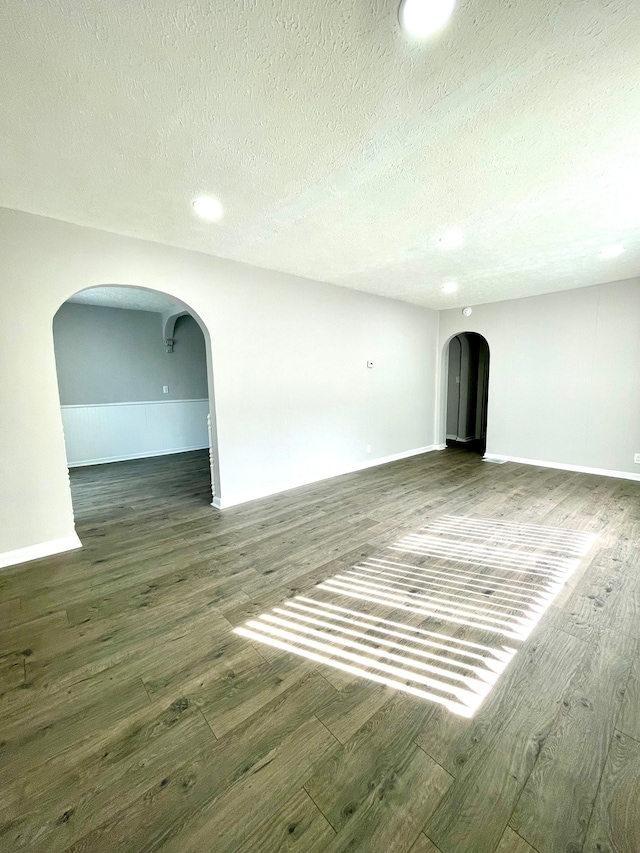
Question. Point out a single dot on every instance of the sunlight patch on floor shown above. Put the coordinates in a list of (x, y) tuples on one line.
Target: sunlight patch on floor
[(443, 620)]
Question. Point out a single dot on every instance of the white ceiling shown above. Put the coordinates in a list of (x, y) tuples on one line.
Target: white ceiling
[(131, 298), (340, 150)]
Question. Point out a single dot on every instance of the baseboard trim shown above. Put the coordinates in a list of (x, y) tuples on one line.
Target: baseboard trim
[(561, 466), (224, 503), (128, 457), (36, 552)]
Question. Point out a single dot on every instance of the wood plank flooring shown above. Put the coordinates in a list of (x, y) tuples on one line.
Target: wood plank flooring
[(134, 719)]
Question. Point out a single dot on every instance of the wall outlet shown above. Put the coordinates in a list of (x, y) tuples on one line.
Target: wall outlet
[(368, 448), (165, 389), (636, 458)]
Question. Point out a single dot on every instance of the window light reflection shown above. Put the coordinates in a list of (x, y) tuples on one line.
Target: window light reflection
[(468, 583)]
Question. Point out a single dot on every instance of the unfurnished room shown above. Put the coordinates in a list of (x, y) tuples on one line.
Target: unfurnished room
[(320, 426)]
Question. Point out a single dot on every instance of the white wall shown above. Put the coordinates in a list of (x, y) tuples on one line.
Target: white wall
[(112, 432), (564, 377), (294, 400)]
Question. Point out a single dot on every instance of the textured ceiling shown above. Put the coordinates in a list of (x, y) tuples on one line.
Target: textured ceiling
[(341, 151), (132, 298)]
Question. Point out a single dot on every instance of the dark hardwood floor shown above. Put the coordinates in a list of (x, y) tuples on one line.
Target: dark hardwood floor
[(133, 718)]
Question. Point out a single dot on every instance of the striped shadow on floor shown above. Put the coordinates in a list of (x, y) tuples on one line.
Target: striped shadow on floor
[(439, 614)]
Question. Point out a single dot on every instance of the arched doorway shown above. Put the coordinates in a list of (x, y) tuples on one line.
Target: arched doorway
[(467, 392), (135, 383)]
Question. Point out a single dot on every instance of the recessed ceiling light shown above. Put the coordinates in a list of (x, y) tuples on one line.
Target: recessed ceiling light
[(451, 239), (421, 18), (611, 251), (450, 286), (208, 208)]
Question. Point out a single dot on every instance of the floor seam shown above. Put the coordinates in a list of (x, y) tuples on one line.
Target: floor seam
[(306, 790), (428, 754), (515, 832), (201, 712), (146, 691), (337, 740), (626, 734)]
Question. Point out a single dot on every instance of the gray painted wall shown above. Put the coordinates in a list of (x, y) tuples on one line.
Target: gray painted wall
[(466, 404), (564, 377), (292, 398), (453, 387), (111, 355), (481, 389)]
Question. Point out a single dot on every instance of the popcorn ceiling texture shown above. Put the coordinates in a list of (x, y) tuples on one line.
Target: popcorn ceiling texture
[(340, 150)]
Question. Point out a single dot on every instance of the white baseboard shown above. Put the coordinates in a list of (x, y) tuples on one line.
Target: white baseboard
[(561, 466), (36, 552), (105, 460), (245, 497)]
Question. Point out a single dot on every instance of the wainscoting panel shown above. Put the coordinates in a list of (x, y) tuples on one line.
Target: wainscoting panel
[(115, 431)]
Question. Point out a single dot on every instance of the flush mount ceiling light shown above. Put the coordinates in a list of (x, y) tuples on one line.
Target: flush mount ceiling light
[(422, 18), (208, 208), (451, 239), (611, 251), (450, 286)]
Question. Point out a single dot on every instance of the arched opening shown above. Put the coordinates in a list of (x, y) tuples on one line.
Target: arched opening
[(136, 391), (467, 392)]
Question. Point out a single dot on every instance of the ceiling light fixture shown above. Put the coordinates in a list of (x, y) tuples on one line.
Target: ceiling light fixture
[(208, 208), (422, 18), (451, 239), (450, 286), (611, 251)]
